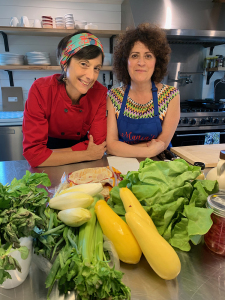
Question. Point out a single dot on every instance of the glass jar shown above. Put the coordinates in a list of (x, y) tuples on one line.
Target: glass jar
[(215, 237)]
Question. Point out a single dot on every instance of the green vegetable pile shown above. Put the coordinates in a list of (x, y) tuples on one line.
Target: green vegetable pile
[(173, 198), (20, 204), (80, 263)]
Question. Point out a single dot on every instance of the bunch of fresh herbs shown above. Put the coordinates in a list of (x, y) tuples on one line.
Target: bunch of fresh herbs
[(21, 204), (172, 197), (79, 261)]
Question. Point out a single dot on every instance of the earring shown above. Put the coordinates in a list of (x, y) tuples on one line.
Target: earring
[(64, 79)]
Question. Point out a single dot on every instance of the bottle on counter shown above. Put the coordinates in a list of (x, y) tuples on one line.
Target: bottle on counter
[(215, 237), (218, 173)]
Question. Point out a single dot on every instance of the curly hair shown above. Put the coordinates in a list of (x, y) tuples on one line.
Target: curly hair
[(154, 38)]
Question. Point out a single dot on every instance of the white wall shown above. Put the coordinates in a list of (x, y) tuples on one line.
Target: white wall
[(106, 16), (208, 90)]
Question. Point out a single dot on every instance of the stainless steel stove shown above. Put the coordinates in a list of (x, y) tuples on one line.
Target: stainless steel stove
[(196, 122), (201, 120)]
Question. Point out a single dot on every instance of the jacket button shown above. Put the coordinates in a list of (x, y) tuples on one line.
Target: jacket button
[(80, 110), (78, 133), (66, 110), (62, 133)]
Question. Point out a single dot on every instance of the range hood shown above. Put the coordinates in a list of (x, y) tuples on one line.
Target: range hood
[(185, 21)]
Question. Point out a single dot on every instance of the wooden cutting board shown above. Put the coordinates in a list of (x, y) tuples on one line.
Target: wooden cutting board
[(208, 154)]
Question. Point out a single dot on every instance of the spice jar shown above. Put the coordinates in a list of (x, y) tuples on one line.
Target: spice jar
[(215, 237)]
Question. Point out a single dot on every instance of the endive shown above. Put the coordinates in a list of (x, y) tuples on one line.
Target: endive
[(91, 189), (71, 200), (74, 217)]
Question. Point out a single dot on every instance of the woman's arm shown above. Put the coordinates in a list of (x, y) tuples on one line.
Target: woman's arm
[(171, 121), (115, 147), (67, 155)]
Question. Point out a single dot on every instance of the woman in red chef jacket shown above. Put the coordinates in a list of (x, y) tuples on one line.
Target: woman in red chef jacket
[(65, 115)]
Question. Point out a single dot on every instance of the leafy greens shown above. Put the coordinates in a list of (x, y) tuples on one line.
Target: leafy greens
[(172, 197), (21, 204)]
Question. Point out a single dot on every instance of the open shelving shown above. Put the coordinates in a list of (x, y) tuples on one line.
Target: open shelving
[(54, 31), (51, 32), (39, 68)]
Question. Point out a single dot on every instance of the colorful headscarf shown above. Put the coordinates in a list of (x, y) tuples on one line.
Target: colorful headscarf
[(76, 43)]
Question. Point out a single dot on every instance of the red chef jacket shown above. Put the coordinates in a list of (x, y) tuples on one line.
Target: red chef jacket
[(49, 113)]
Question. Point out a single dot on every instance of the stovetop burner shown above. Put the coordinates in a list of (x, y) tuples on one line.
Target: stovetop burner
[(187, 110), (185, 107)]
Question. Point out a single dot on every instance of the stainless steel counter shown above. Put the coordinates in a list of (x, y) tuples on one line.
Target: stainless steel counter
[(202, 273)]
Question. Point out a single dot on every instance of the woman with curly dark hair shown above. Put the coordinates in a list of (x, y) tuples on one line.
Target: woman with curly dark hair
[(143, 113)]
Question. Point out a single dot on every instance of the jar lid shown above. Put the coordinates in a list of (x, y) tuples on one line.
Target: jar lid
[(200, 164), (217, 203), (222, 154)]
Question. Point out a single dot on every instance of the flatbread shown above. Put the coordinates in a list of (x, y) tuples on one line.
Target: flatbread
[(101, 174)]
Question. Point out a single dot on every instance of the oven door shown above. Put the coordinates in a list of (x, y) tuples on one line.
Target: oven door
[(198, 137)]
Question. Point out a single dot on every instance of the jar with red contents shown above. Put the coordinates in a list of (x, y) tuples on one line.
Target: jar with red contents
[(215, 237)]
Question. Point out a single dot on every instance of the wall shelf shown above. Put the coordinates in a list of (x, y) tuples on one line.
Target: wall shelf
[(53, 31), (216, 69), (46, 68)]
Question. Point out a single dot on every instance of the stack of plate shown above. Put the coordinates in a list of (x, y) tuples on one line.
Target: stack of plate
[(69, 21), (47, 22), (38, 58), (8, 58), (60, 22)]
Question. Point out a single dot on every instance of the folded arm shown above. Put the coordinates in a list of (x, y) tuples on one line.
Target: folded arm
[(143, 149)]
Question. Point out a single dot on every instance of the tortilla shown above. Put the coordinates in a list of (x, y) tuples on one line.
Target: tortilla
[(101, 174)]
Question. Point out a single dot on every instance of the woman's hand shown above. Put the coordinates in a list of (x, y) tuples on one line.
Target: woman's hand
[(157, 144), (95, 151)]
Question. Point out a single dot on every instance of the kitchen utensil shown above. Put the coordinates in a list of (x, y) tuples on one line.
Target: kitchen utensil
[(8, 58), (24, 22), (14, 22), (208, 154), (166, 155), (37, 23), (219, 89), (80, 24), (107, 59)]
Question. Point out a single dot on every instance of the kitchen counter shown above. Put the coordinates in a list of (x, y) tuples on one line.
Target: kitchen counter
[(202, 272)]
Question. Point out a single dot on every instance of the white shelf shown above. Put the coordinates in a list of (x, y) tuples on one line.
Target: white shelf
[(53, 31), (46, 68)]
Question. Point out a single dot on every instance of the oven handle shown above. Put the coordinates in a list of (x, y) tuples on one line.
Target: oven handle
[(191, 134)]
